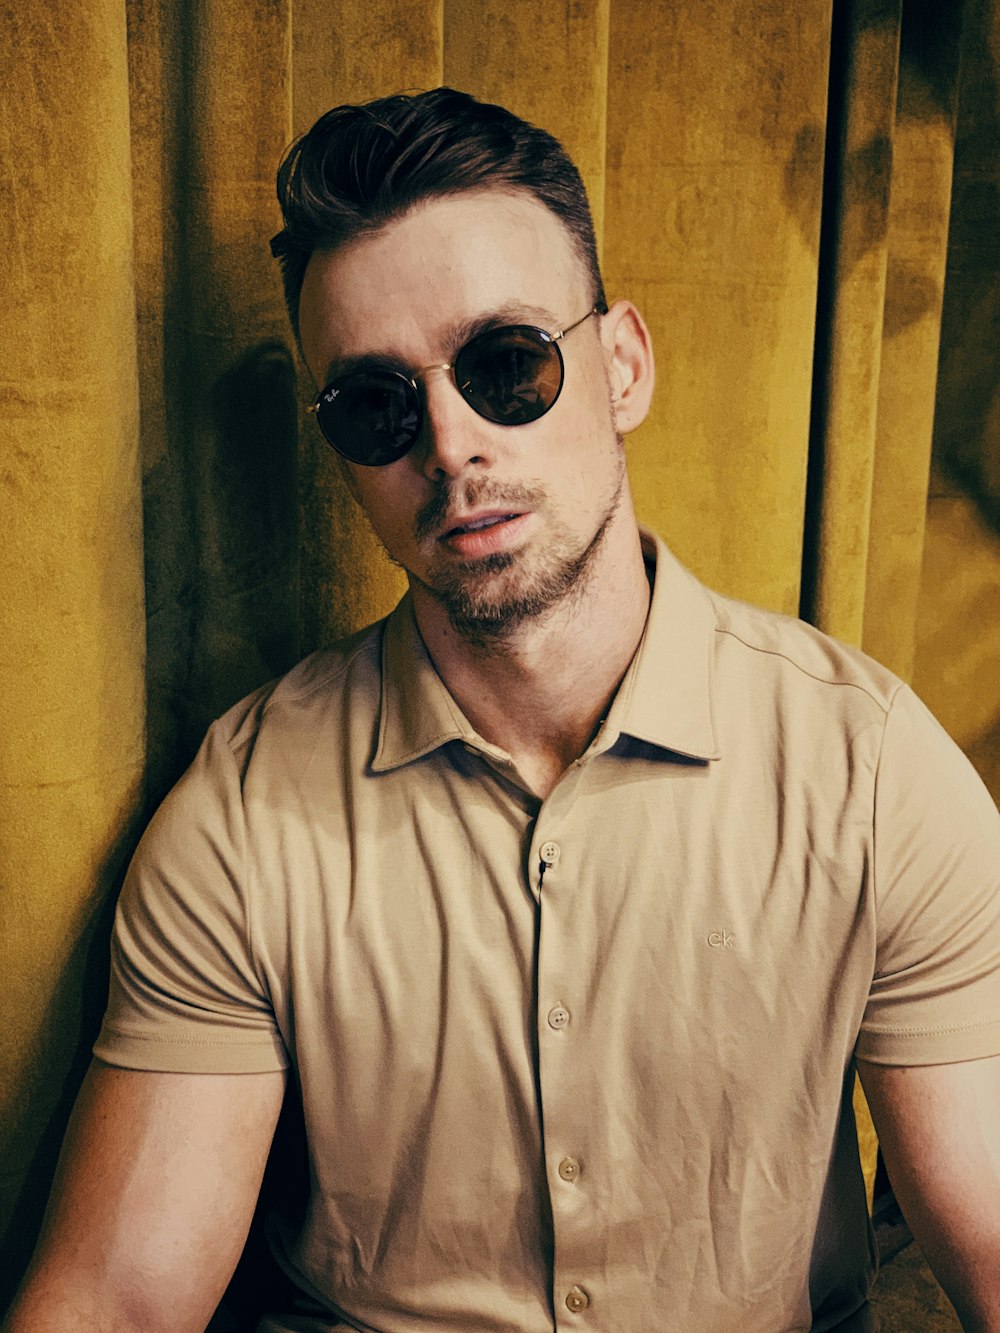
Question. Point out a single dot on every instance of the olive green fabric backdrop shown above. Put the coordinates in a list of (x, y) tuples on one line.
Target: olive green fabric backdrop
[(772, 183)]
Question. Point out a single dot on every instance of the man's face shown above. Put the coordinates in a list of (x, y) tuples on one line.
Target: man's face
[(496, 523)]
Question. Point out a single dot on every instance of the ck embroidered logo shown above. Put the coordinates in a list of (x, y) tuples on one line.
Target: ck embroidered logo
[(721, 939)]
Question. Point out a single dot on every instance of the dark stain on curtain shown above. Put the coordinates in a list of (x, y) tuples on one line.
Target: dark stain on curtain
[(967, 416)]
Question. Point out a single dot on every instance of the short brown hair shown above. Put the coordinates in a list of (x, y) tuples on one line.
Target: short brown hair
[(361, 166)]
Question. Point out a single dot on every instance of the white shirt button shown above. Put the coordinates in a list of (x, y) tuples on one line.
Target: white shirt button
[(569, 1168), (558, 1017), (550, 853), (577, 1300)]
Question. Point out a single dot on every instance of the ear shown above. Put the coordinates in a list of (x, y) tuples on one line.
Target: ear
[(628, 351)]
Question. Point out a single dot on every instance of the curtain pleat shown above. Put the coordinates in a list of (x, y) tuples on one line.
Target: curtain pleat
[(772, 185), (920, 208), (218, 377), (849, 313), (71, 596), (550, 67), (957, 664), (716, 118)]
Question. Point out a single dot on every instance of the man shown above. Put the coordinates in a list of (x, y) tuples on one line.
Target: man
[(568, 895)]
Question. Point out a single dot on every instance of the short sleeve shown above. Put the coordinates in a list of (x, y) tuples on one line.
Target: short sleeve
[(935, 997), (186, 995)]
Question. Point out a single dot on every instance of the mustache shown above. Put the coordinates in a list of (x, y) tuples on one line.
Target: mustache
[(439, 513)]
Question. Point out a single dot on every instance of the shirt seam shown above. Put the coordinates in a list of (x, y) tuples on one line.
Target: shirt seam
[(249, 881), (952, 1028), (882, 705), (875, 805), (328, 679)]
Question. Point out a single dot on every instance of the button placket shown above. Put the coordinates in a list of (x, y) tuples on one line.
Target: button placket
[(568, 1196)]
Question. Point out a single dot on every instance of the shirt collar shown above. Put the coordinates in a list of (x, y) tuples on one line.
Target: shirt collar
[(665, 698), (417, 714)]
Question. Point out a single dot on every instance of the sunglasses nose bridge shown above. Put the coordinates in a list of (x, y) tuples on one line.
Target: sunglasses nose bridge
[(420, 375), (419, 378), (449, 439), (449, 370)]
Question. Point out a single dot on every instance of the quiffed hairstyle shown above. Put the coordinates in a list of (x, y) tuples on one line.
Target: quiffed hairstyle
[(360, 167)]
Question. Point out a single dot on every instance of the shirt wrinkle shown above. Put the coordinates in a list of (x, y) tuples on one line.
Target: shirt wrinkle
[(619, 1104)]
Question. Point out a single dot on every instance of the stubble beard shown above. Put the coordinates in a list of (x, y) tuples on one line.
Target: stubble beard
[(489, 599)]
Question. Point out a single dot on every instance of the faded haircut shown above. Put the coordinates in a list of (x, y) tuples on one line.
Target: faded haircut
[(362, 166)]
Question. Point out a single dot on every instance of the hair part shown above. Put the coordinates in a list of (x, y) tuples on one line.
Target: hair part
[(362, 166)]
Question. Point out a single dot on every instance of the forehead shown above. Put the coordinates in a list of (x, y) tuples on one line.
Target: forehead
[(447, 262)]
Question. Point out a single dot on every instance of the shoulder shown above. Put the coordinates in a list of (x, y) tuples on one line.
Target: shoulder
[(319, 693), (800, 660)]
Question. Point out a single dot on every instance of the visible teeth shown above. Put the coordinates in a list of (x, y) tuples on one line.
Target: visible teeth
[(480, 523)]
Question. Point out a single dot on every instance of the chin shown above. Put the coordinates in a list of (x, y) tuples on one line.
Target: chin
[(493, 597)]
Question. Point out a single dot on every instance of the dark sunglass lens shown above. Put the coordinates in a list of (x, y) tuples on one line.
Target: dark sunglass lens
[(370, 418), (510, 376)]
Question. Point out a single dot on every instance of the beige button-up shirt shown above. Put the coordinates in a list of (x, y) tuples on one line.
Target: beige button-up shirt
[(583, 1063)]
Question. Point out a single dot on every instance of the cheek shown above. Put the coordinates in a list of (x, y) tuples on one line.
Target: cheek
[(388, 506)]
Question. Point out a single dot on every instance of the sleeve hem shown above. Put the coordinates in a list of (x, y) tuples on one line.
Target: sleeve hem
[(929, 1046), (193, 1056)]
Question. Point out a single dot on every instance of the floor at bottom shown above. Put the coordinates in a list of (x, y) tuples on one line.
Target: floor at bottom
[(909, 1300)]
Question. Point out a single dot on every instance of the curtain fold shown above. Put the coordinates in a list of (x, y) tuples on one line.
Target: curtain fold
[(918, 234), (849, 313), (716, 121), (772, 185), (71, 596), (211, 84), (956, 671), (551, 67)]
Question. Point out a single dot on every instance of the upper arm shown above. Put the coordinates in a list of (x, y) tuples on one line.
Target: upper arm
[(935, 886), (153, 1198), (939, 1127)]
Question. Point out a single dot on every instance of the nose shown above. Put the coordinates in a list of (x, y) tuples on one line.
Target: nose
[(454, 438)]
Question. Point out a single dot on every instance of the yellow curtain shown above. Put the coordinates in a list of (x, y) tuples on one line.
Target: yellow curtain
[(72, 635), (957, 659), (772, 185)]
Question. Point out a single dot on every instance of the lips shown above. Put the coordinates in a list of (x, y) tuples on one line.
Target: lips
[(488, 533), (480, 522)]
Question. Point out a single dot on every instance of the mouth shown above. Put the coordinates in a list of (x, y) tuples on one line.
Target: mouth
[(480, 523), (485, 534)]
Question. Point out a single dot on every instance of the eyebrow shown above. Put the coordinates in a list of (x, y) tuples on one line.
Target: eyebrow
[(455, 337), (512, 312)]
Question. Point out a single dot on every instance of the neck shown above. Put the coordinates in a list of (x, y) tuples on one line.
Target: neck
[(541, 691)]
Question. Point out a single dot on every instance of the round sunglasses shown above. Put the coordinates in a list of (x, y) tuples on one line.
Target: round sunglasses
[(510, 375)]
